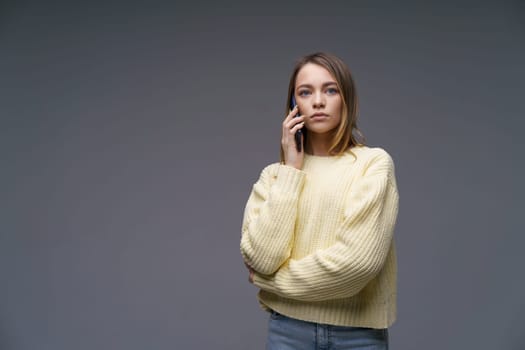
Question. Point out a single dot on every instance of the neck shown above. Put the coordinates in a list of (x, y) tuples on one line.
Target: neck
[(318, 144)]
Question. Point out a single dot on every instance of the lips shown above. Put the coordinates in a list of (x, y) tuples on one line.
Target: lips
[(319, 116)]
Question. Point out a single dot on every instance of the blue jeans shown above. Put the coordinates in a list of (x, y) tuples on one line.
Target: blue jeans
[(285, 333)]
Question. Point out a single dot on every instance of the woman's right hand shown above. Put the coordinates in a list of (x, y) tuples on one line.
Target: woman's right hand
[(290, 126)]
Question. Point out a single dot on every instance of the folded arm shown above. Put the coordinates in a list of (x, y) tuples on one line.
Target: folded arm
[(362, 244)]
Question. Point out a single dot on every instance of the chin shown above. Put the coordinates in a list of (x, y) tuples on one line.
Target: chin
[(321, 130)]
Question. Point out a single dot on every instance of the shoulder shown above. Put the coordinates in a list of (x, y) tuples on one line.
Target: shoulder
[(374, 159), (366, 152), (270, 169), (269, 172)]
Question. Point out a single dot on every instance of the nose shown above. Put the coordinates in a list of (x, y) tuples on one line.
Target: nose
[(318, 100)]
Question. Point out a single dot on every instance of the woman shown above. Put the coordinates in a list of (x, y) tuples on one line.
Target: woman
[(317, 234)]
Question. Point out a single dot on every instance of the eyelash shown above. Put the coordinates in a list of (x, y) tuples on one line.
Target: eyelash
[(303, 92), (330, 91)]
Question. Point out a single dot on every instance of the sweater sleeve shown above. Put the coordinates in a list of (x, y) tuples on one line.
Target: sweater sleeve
[(362, 244), (269, 218)]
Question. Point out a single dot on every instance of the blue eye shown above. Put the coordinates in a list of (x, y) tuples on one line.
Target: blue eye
[(304, 92), (332, 91)]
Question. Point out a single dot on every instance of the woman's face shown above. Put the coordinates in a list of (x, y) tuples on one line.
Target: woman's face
[(318, 98)]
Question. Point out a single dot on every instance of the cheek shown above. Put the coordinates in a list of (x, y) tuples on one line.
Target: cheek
[(339, 113), (338, 106), (302, 107)]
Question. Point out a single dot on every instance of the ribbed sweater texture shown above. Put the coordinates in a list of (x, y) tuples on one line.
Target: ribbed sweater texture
[(320, 239)]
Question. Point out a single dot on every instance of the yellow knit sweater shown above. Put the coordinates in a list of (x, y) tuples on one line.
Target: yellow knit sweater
[(321, 239)]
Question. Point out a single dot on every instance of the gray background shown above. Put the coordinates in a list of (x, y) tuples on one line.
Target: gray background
[(131, 136)]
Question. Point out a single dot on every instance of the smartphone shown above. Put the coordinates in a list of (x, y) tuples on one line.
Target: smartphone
[(299, 133)]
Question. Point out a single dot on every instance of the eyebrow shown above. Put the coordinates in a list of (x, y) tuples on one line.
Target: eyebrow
[(324, 84)]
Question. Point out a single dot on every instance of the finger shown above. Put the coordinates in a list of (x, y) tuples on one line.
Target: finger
[(292, 114), (296, 127), (292, 122)]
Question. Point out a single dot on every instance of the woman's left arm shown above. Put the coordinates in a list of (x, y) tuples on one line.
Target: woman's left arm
[(362, 245)]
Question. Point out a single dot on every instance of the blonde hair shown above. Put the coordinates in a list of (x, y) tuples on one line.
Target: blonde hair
[(347, 130)]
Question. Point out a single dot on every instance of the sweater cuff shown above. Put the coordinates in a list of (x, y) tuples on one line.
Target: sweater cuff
[(289, 179)]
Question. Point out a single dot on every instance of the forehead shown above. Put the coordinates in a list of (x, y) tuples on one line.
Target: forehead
[(313, 74)]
